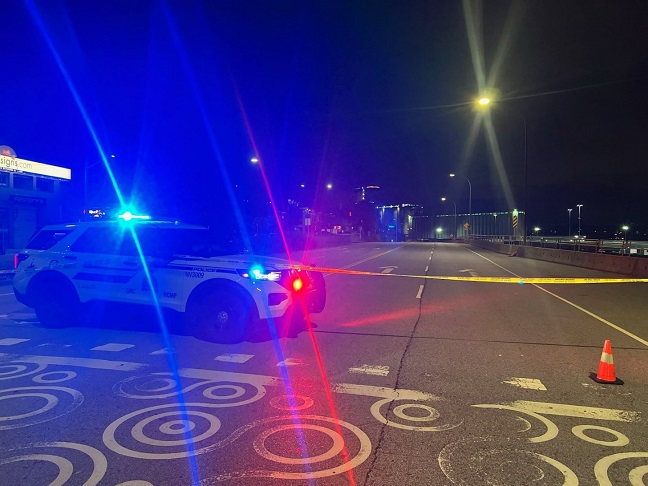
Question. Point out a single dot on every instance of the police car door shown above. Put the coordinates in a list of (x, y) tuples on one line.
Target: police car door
[(161, 276), (107, 263)]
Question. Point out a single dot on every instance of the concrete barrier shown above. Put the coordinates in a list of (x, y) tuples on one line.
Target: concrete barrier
[(625, 265)]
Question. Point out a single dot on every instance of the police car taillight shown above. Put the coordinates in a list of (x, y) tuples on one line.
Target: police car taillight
[(19, 257), (297, 284)]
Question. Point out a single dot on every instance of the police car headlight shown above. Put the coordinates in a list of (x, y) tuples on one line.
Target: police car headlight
[(258, 273)]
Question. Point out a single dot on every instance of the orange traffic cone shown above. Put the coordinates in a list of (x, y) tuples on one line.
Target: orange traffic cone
[(606, 367)]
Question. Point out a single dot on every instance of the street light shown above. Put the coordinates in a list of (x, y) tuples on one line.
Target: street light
[(483, 102), (254, 160), (579, 218), (469, 203), (454, 232), (570, 210)]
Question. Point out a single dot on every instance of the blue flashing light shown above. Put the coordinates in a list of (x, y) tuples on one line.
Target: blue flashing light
[(259, 273), (128, 216)]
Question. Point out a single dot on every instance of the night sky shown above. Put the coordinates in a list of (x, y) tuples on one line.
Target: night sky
[(352, 93)]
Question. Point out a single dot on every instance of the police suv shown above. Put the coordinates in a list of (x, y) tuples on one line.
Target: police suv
[(168, 264)]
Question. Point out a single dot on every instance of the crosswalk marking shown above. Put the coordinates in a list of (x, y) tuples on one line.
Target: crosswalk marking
[(233, 358), (11, 341), (113, 347), (371, 370)]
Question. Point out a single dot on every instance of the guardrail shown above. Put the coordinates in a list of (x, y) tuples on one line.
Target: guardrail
[(590, 245)]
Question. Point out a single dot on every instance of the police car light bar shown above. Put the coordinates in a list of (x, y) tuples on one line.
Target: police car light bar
[(128, 216)]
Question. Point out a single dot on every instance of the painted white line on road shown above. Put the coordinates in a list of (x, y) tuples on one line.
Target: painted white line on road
[(430, 259), (290, 362), (365, 260), (381, 392), (216, 375), (113, 347), (576, 306), (162, 351), (9, 293), (388, 269), (426, 269), (101, 364), (371, 370), (11, 341), (528, 383), (420, 292), (576, 411), (233, 358)]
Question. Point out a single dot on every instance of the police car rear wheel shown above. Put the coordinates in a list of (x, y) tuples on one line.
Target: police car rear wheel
[(220, 316)]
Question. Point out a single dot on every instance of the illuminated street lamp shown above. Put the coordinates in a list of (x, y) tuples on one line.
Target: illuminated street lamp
[(569, 232), (536, 230), (254, 160), (329, 186), (579, 206), (469, 202), (625, 229), (454, 232), (483, 102)]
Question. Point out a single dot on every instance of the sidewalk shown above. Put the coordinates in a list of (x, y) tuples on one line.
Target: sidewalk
[(6, 268)]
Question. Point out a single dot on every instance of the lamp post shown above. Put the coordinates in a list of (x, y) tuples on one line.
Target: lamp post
[(625, 229), (569, 232), (454, 231), (469, 203), (483, 102), (579, 206)]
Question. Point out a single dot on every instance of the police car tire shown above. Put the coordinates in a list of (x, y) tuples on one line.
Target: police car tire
[(56, 302), (219, 315)]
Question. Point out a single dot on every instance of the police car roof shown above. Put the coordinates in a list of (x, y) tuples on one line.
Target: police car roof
[(119, 223)]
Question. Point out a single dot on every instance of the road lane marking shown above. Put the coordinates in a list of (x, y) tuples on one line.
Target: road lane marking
[(381, 392), (290, 362), (388, 269), (101, 364), (371, 370), (233, 358), (162, 351), (528, 383), (9, 293), (576, 306), (11, 341), (599, 318), (426, 269), (420, 292), (576, 411), (364, 260), (113, 347)]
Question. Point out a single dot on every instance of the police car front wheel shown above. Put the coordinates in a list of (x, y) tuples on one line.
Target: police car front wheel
[(56, 303), (219, 316)]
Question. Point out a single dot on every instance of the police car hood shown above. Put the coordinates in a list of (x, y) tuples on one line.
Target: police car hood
[(242, 261)]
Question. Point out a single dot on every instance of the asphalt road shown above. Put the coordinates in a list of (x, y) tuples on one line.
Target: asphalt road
[(400, 380)]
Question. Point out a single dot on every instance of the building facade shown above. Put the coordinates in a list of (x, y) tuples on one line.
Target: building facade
[(30, 197)]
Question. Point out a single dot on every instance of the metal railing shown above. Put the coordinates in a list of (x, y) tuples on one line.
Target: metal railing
[(614, 247)]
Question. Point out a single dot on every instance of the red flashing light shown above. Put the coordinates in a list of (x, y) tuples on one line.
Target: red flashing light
[(297, 284), (19, 257)]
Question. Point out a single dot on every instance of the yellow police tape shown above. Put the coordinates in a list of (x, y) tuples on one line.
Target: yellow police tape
[(516, 280)]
